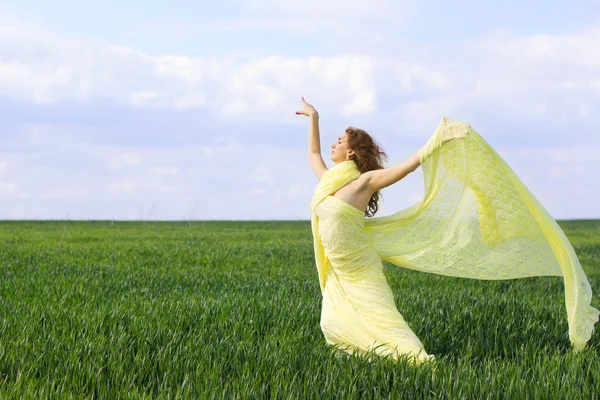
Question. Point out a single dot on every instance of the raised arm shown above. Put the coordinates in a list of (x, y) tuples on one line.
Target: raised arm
[(314, 141), (381, 178)]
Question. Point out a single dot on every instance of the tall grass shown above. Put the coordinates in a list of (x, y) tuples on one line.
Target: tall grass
[(231, 310)]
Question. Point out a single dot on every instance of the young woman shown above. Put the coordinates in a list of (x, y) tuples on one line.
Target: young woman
[(477, 220), (358, 309)]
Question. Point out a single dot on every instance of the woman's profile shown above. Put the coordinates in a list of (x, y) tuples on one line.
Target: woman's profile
[(477, 220)]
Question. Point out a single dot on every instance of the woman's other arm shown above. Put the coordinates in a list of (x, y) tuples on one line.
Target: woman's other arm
[(381, 178)]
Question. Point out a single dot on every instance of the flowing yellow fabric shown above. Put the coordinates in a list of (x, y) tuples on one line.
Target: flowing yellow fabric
[(358, 309), (477, 220)]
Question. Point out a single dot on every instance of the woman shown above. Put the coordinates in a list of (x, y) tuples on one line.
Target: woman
[(477, 220), (358, 310)]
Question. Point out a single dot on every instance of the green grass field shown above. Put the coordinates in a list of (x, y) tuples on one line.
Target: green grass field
[(231, 310)]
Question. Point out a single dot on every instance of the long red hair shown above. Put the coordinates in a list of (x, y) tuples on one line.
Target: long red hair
[(368, 156)]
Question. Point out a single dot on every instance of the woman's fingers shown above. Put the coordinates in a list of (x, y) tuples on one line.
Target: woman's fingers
[(306, 105)]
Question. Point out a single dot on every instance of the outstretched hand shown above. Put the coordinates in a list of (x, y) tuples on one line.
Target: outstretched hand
[(308, 110), (454, 130)]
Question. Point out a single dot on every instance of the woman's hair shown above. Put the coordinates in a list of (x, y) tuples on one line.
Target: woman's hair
[(368, 156)]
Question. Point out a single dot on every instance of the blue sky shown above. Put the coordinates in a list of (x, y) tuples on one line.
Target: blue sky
[(185, 109)]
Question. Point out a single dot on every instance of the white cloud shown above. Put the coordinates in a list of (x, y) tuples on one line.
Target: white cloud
[(332, 20), (62, 194), (121, 186), (346, 18), (121, 160), (546, 86), (190, 100), (525, 79), (171, 188), (228, 149), (257, 88), (165, 170), (12, 190), (261, 174), (540, 76), (139, 183), (143, 97)]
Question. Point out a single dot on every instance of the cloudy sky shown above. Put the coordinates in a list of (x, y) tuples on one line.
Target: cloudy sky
[(185, 109)]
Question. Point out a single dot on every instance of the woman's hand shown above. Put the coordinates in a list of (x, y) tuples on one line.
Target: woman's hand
[(308, 110)]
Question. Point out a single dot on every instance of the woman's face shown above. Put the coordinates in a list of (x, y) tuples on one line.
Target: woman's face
[(340, 150)]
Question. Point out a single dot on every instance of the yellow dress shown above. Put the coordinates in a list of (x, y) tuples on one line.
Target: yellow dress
[(358, 309), (477, 220)]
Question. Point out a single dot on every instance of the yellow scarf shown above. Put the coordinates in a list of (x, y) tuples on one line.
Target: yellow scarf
[(333, 180), (477, 220)]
